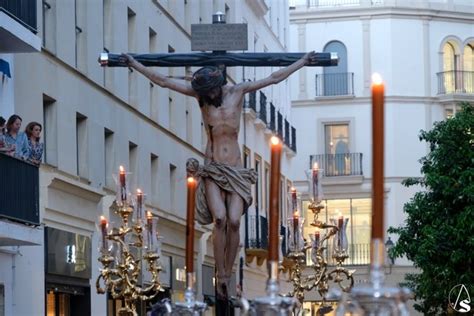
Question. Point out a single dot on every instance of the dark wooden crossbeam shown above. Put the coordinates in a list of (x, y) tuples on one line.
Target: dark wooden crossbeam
[(214, 59)]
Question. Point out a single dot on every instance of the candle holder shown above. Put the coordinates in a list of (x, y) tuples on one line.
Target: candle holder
[(321, 276), (122, 267), (376, 298), (273, 304), (190, 306), (296, 242)]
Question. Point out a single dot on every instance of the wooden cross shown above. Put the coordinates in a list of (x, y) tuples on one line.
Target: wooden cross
[(219, 38)]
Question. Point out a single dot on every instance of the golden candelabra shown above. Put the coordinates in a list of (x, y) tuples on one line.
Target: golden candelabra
[(321, 275), (122, 270)]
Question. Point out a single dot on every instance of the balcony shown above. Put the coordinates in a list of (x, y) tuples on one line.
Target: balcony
[(335, 165), (19, 196), (455, 82), (338, 84), (19, 203), (293, 139), (256, 239), (18, 26), (262, 111)]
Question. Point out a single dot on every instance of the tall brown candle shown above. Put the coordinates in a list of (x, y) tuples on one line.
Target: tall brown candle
[(192, 184), (123, 188), (273, 234), (377, 157), (103, 232)]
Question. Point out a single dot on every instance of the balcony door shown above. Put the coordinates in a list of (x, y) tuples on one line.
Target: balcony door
[(337, 158), (335, 80)]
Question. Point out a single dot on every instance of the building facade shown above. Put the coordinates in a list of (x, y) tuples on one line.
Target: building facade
[(95, 119), (424, 52)]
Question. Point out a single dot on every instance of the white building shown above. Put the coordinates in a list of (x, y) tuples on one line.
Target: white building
[(424, 51), (96, 119)]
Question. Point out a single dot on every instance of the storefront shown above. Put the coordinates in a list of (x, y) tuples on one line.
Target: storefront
[(68, 273)]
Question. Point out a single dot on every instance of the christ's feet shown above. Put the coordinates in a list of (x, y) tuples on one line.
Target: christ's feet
[(222, 287)]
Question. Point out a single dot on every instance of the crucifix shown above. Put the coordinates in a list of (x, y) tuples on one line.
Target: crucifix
[(224, 190)]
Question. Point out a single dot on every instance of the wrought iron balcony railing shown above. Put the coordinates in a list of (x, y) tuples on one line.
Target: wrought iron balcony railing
[(272, 117), (24, 11), (19, 193), (359, 254), (251, 101), (280, 125), (293, 138), (287, 133), (349, 164), (455, 82), (258, 232), (335, 84), (262, 111)]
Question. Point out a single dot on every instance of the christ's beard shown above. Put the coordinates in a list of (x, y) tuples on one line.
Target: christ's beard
[(217, 101)]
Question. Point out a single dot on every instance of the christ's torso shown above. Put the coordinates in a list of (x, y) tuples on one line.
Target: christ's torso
[(222, 125)]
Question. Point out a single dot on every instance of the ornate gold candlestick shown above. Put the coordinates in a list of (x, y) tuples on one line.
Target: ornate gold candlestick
[(122, 270), (321, 275)]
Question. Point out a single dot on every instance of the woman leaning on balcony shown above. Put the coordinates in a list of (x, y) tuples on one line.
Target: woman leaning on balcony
[(14, 137), (3, 146), (33, 132)]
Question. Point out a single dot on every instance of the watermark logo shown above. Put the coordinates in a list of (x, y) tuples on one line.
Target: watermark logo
[(459, 299)]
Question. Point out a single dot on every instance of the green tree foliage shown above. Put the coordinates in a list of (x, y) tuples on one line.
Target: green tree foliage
[(438, 234)]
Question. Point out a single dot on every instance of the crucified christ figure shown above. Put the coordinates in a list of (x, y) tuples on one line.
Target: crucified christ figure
[(225, 192)]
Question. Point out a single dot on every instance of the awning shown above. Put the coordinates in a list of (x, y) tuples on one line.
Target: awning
[(5, 68)]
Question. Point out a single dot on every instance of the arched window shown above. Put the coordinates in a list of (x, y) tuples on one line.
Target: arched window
[(336, 80), (468, 67), (449, 68)]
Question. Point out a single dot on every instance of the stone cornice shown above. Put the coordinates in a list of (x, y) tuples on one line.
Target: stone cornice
[(325, 101), (378, 12)]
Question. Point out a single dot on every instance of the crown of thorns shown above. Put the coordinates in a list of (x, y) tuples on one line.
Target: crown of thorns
[(206, 79)]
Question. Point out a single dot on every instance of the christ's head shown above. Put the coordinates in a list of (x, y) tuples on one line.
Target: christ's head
[(208, 82)]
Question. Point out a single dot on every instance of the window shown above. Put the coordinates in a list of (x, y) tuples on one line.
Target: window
[(258, 191), (468, 67), (80, 24), (359, 213), (335, 79), (81, 146), (132, 77), (49, 25), (267, 188), (246, 157), (133, 167), (203, 137), (172, 187), (171, 97), (50, 131), (154, 178), (449, 68), (2, 300), (109, 158), (336, 160), (153, 93)]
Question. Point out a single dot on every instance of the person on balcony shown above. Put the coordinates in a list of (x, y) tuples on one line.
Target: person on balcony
[(33, 132), (15, 138), (3, 146)]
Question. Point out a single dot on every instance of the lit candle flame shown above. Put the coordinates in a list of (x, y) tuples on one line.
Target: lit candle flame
[(149, 215), (122, 169), (293, 189), (376, 79), (103, 220), (191, 180), (315, 166), (296, 214), (139, 191), (275, 140)]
